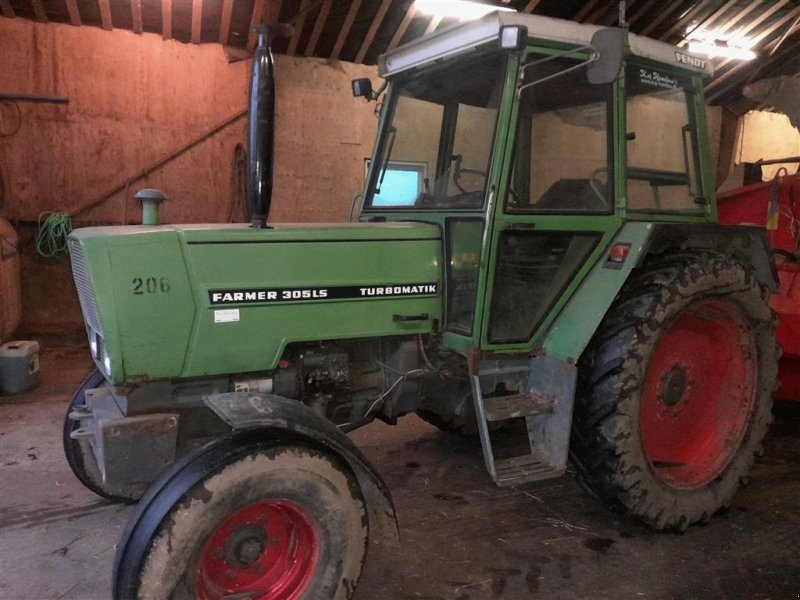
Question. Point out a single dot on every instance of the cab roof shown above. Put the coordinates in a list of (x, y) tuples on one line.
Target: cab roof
[(467, 37)]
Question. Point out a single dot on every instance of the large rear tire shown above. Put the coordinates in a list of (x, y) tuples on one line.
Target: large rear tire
[(79, 453), (246, 518), (675, 392)]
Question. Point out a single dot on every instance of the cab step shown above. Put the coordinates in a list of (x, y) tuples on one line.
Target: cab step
[(546, 405), (502, 408), (521, 469)]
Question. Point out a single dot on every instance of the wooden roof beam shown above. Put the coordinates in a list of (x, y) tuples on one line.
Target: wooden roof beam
[(136, 15), (584, 12), (435, 21), (7, 9), (763, 17), (255, 21), (38, 11), (531, 6), (345, 31), (411, 12), (377, 21), (225, 21), (662, 14), (322, 18), (298, 22), (740, 15), (707, 22), (105, 14), (717, 81), (197, 20), (74, 13), (639, 12), (683, 20), (766, 62), (166, 19), (258, 17)]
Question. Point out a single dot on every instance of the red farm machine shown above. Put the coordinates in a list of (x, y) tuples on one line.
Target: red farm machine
[(775, 205)]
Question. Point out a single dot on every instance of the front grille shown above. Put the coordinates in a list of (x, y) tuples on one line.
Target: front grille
[(84, 286), (101, 350)]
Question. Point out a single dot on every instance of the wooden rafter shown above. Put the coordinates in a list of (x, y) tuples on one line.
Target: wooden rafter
[(255, 21), (38, 11), (225, 21), (105, 14), (531, 6), (274, 13), (663, 13), (728, 25), (298, 23), (768, 31), (763, 17), (584, 12), (377, 21), (74, 13), (136, 15), (789, 31), (345, 31), (411, 12), (707, 22), (755, 69), (7, 9), (435, 21), (166, 19), (197, 20), (680, 24), (640, 11), (322, 17)]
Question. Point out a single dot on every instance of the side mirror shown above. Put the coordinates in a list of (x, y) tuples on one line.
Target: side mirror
[(609, 44), (362, 88)]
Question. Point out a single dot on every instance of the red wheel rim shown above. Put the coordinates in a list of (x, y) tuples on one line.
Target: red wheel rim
[(266, 550), (698, 394)]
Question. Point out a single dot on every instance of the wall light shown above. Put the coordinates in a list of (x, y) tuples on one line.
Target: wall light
[(713, 50), (719, 43), (458, 9)]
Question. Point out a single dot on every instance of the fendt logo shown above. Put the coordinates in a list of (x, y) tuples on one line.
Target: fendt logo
[(688, 59)]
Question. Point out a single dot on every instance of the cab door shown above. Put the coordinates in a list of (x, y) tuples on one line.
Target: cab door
[(557, 207)]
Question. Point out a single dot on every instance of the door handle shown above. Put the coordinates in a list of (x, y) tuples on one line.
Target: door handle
[(406, 318)]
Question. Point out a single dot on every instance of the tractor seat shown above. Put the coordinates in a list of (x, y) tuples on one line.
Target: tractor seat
[(571, 195)]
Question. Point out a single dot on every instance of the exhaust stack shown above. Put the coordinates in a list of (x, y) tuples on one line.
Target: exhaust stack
[(261, 132)]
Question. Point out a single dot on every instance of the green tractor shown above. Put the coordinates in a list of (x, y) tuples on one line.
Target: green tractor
[(537, 254)]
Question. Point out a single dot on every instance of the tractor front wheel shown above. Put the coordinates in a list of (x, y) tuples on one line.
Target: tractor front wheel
[(245, 519), (676, 390)]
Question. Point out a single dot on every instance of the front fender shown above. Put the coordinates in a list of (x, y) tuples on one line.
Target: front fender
[(278, 417)]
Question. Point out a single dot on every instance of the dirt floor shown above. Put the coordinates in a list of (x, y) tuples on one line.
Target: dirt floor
[(463, 538)]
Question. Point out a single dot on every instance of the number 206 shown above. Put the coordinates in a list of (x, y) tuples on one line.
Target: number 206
[(150, 285)]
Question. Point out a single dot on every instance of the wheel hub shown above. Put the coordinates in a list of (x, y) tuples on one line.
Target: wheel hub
[(673, 386), (266, 550), (245, 546)]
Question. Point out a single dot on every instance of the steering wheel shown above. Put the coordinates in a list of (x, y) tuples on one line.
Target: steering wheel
[(458, 171)]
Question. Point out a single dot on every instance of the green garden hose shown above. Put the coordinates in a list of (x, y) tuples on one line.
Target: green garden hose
[(51, 239)]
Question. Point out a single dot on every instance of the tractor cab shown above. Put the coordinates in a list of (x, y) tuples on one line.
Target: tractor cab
[(530, 142)]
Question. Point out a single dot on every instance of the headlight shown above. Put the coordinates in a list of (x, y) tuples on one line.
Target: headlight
[(93, 343), (107, 364)]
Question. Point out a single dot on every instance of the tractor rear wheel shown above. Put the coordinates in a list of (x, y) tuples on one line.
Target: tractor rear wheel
[(79, 453), (675, 392), (246, 518)]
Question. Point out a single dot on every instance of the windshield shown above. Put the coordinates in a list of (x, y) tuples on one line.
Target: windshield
[(436, 150)]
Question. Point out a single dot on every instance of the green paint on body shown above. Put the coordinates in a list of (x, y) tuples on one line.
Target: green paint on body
[(153, 287)]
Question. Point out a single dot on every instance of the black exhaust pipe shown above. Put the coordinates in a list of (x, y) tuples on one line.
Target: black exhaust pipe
[(261, 132)]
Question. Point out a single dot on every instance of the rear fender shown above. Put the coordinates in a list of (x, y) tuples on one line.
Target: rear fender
[(276, 417)]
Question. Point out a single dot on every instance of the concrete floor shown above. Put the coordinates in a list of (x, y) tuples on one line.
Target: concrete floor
[(462, 537)]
